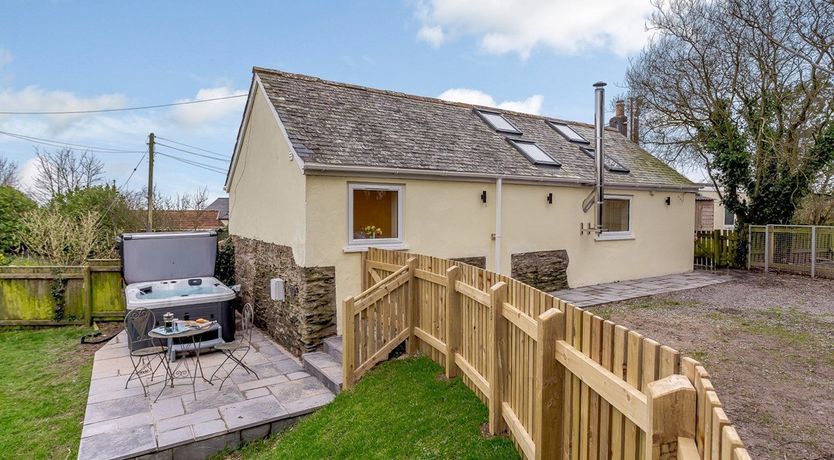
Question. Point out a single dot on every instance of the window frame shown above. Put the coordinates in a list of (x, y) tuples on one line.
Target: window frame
[(618, 169), (732, 224), (619, 235), (482, 115), (362, 243), (554, 125), (516, 143)]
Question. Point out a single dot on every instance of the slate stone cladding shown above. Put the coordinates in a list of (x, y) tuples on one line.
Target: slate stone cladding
[(478, 261), (308, 315), (544, 270)]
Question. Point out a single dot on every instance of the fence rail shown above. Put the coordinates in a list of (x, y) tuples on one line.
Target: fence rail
[(716, 249), (564, 383), (29, 295), (803, 249)]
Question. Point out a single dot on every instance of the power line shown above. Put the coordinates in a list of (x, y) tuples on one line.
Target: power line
[(194, 163), (193, 153), (55, 143), (119, 190), (125, 109), (192, 146)]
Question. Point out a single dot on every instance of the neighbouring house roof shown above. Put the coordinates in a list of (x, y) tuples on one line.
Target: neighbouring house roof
[(169, 220), (699, 197), (221, 205), (342, 126)]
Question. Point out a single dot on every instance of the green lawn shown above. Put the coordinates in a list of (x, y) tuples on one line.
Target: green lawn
[(44, 377), (399, 410)]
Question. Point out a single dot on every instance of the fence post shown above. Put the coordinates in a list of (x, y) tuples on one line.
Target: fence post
[(767, 248), (716, 249), (88, 295), (671, 402), (549, 385), (413, 305), (749, 244), (348, 340), (363, 264), (497, 295), (813, 251), (453, 324)]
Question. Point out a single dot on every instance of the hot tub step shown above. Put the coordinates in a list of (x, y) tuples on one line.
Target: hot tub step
[(325, 368)]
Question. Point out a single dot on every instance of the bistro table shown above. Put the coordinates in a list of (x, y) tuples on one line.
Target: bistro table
[(184, 332)]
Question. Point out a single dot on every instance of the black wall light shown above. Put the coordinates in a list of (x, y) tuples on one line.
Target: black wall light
[(550, 198), (483, 196), (668, 200)]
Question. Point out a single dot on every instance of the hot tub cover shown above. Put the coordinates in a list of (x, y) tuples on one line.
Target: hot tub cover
[(167, 255)]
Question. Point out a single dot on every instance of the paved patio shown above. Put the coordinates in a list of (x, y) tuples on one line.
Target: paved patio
[(598, 294), (123, 423)]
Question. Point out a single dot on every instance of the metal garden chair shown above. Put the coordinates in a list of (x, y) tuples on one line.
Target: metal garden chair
[(236, 350), (143, 349)]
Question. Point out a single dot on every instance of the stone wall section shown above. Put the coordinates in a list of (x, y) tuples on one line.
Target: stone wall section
[(477, 261), (307, 315), (544, 270)]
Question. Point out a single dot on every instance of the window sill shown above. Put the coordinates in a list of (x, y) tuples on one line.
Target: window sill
[(364, 247), (615, 236)]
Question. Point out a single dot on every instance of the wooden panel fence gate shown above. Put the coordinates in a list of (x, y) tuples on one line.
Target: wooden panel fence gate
[(562, 382)]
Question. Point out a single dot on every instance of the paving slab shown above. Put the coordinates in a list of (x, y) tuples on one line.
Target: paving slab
[(598, 294), (124, 423)]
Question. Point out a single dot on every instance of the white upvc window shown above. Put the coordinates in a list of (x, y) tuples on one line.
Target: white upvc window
[(616, 218), (729, 218), (375, 215)]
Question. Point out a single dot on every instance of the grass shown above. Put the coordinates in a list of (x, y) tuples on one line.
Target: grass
[(400, 410), (44, 378)]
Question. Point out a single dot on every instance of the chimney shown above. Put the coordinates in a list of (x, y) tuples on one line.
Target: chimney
[(619, 120), (599, 155)]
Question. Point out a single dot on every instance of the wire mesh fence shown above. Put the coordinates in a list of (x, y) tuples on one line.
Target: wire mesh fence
[(803, 249)]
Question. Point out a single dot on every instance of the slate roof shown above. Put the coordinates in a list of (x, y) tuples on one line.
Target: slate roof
[(339, 124), (221, 205)]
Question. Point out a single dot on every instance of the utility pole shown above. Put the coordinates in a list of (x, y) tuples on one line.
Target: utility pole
[(150, 181)]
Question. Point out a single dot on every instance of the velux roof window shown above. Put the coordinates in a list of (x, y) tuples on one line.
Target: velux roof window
[(497, 122), (567, 132), (609, 163), (534, 153)]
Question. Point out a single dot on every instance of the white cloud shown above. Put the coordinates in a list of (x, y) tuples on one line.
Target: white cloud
[(194, 115), (532, 104), (432, 35), (565, 26), (6, 57)]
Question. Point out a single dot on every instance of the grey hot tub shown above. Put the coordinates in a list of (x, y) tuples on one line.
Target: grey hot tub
[(173, 272)]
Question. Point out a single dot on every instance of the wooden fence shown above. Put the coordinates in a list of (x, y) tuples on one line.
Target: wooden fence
[(716, 249), (561, 381), (89, 292)]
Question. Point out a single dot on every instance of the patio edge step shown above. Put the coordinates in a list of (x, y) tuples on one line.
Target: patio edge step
[(325, 368), (333, 347)]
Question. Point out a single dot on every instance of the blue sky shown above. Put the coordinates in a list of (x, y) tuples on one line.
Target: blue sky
[(533, 55)]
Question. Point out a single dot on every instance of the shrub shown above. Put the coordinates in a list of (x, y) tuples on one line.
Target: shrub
[(64, 239), (13, 204)]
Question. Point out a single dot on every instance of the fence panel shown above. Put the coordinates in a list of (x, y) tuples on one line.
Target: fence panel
[(716, 249), (564, 383), (801, 249), (47, 295)]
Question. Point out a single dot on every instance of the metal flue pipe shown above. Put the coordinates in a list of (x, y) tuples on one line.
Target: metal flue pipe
[(599, 128)]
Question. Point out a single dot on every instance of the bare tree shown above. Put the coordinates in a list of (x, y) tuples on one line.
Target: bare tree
[(744, 89), (8, 173), (63, 170)]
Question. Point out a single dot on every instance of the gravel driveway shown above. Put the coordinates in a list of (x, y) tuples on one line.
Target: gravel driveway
[(767, 340)]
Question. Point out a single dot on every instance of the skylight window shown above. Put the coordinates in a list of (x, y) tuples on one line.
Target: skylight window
[(534, 153), (567, 132), (610, 163), (497, 122)]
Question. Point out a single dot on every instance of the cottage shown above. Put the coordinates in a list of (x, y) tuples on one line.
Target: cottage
[(710, 212), (323, 170)]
